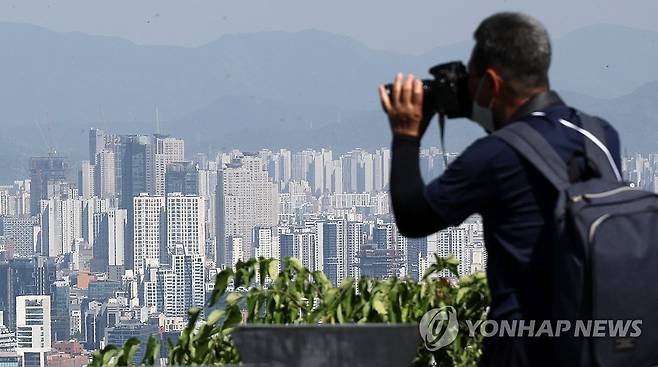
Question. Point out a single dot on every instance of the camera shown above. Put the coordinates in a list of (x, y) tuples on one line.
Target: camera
[(447, 94)]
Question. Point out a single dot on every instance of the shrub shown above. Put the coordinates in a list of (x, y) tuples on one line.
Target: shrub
[(299, 296)]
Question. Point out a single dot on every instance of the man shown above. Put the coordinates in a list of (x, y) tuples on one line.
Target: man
[(508, 73)]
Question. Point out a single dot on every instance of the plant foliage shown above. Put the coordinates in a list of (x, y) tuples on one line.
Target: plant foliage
[(256, 292)]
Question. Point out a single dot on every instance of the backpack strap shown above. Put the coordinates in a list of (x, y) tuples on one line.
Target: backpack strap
[(534, 148), (595, 148), (598, 154)]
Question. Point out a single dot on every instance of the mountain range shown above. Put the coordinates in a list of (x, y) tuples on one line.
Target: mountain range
[(274, 89)]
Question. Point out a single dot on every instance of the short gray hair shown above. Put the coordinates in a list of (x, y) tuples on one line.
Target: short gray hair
[(516, 45)]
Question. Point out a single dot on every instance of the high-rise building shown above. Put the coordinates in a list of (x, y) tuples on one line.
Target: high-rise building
[(301, 165), (8, 356), (164, 151), (45, 174), (183, 282), (124, 330), (365, 172), (337, 185), (246, 198), (182, 177), (417, 248), (86, 183), (302, 243), (186, 223), (60, 313), (386, 166), (317, 173), (349, 166), (61, 225), (15, 199), (45, 274), (153, 289), (134, 157), (97, 142), (91, 207), (266, 242), (332, 234), (378, 262), (287, 244), (19, 231), (149, 230), (378, 171), (33, 329), (355, 239), (460, 242), (207, 190), (286, 166), (105, 174), (109, 242), (17, 278)]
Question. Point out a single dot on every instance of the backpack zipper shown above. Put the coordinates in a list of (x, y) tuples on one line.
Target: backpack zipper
[(598, 195), (595, 225)]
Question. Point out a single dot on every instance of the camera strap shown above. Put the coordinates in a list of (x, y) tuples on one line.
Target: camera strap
[(442, 128)]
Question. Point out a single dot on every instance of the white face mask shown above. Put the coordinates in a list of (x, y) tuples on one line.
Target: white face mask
[(483, 116)]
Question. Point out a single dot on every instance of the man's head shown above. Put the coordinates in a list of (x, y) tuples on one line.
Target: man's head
[(509, 63)]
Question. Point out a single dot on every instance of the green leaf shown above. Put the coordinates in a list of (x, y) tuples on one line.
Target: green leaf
[(233, 298), (379, 305), (107, 354), (294, 263), (152, 353), (273, 269), (221, 282), (339, 314), (233, 317), (291, 299), (215, 316), (130, 348)]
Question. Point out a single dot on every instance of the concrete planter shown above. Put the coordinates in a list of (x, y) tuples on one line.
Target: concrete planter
[(327, 345)]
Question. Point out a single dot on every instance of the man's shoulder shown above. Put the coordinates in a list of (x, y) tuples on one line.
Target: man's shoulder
[(490, 151)]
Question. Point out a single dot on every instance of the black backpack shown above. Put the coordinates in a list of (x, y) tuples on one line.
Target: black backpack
[(605, 253)]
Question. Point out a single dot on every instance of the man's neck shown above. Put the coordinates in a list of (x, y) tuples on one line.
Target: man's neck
[(534, 103)]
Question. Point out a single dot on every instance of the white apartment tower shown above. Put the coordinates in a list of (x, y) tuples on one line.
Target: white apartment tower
[(149, 222), (246, 198), (266, 243), (105, 174), (183, 283), (61, 225), (164, 150), (86, 179), (354, 242), (186, 219), (116, 227), (33, 328)]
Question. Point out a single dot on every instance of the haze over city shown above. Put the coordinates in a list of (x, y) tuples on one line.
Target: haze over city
[(146, 147)]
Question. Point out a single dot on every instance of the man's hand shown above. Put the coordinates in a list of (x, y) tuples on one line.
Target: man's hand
[(405, 106)]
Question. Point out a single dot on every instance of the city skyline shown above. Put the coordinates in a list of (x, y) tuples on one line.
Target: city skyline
[(171, 172)]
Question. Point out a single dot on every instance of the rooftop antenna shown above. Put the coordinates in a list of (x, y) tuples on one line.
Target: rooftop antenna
[(51, 146), (43, 136), (157, 120), (102, 116)]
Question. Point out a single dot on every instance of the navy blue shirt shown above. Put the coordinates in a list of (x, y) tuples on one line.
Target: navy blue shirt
[(490, 178)]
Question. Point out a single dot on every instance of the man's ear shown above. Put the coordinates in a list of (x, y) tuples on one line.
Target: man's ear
[(496, 81), (498, 97)]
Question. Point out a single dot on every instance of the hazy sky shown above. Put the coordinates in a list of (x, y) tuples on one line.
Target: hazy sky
[(412, 26)]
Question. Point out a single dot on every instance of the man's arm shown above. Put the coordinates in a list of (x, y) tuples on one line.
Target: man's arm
[(463, 188), (467, 186), (413, 214)]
